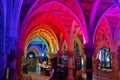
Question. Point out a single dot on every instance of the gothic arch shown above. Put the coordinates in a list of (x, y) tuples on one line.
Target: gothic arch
[(30, 14)]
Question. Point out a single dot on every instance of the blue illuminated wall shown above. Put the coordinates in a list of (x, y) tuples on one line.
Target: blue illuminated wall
[(40, 44)]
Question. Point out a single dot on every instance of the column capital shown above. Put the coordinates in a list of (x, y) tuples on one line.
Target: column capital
[(70, 53), (89, 49), (60, 53)]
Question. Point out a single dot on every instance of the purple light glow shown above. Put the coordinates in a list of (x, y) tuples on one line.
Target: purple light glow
[(99, 22)]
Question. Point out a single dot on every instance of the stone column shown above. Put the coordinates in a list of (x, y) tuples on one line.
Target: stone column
[(3, 56), (114, 66), (59, 55), (3, 64), (70, 65), (10, 48), (89, 69), (12, 74), (12, 65), (19, 63)]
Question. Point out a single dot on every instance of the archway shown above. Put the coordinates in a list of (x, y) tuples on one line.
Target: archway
[(36, 53), (103, 41), (56, 22), (106, 41), (79, 52), (44, 41), (79, 58)]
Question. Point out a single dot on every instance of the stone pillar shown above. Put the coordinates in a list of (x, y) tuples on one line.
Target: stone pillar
[(89, 69), (114, 66), (10, 48), (12, 73), (70, 65), (59, 55), (3, 64), (54, 65), (19, 63), (12, 65), (3, 56)]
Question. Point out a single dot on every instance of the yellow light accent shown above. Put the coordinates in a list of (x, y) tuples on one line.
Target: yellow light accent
[(46, 33)]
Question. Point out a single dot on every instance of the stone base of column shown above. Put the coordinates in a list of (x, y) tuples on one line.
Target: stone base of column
[(3, 65), (89, 74), (70, 78)]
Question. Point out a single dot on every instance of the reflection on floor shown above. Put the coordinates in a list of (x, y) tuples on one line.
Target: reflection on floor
[(99, 78), (36, 76)]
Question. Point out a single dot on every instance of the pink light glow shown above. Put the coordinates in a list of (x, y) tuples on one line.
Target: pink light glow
[(99, 22), (40, 9), (38, 21)]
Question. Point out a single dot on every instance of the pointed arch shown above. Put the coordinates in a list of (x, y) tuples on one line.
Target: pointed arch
[(31, 13), (100, 21)]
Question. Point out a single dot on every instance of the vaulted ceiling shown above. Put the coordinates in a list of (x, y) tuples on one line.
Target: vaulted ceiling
[(88, 5), (59, 15)]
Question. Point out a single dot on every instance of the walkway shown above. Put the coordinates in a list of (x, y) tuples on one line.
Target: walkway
[(35, 76)]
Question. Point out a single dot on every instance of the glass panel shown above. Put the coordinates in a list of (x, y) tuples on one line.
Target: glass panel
[(102, 58), (105, 58)]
